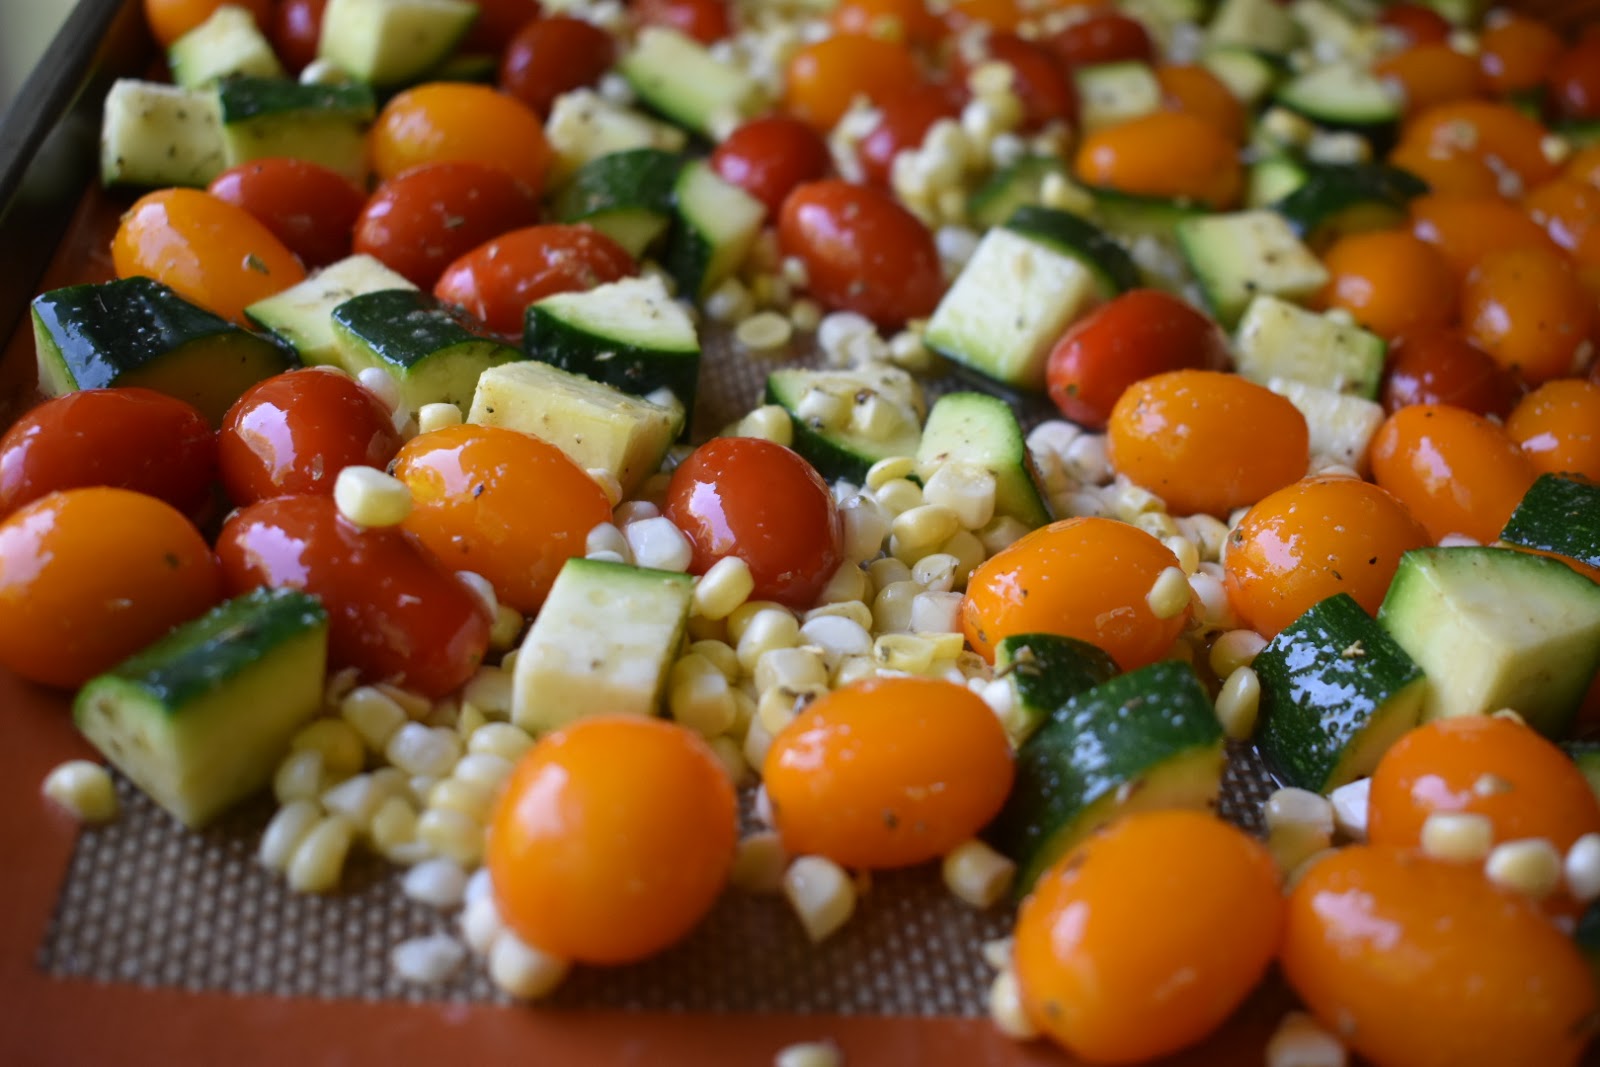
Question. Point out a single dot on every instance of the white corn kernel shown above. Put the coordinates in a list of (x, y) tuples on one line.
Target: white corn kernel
[(769, 422), (634, 511), (936, 613), (659, 544), (1187, 551), (437, 883), (423, 750), (431, 417), (367, 496), (999, 952), (903, 652), (1298, 807), (1531, 866), (729, 751), (299, 777), (501, 739), (452, 835), (1582, 868), (723, 588), (809, 1054), (898, 495), (1235, 649), (481, 588), (427, 960), (887, 571), (607, 482), (1006, 1010), (837, 637), (769, 629), (84, 789), (318, 861), (606, 537), (759, 862), (483, 769), (977, 874), (373, 714), (1160, 525), (821, 893), (607, 556), (806, 315), (757, 742), (1300, 1041), (796, 668), (765, 331), (847, 584), (489, 690), (480, 922), (1350, 808), (1212, 609), (919, 530), (721, 655), (936, 572), (458, 795), (381, 384), (356, 798), (967, 490), (1088, 459), (853, 669), (522, 971), (1169, 593), (1239, 703), (865, 527), (890, 469), (1459, 837), (776, 709), (506, 628), (285, 831), (1001, 532), (742, 616), (891, 608), (343, 754), (394, 824), (417, 706), (699, 696)]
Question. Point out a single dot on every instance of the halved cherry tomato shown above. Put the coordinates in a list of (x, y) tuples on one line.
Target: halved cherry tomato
[(1431, 74), (90, 576), (1574, 82), (554, 55), (296, 30), (170, 19), (293, 433), (894, 20), (1165, 153), (497, 22), (1527, 308), (308, 207), (209, 251), (1390, 281), (863, 252), (1084, 578), (499, 279), (1416, 23), (500, 503), (613, 838), (707, 21), (452, 122), (769, 157), (420, 222), (889, 772), (1311, 540), (127, 438), (1558, 427), (748, 497), (1146, 937), (1193, 437), (905, 119), (1102, 37), (1137, 335), (1434, 365), (1486, 978), (1516, 52), (1457, 472), (394, 612), (825, 77)]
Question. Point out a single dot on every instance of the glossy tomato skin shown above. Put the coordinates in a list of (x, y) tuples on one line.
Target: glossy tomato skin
[(1434, 365), (551, 56), (768, 157), (906, 118), (170, 19), (863, 252), (1038, 78), (296, 29), (1103, 37), (308, 207), (421, 221), (707, 21), (1416, 23), (751, 498), (294, 432), (454, 122), (394, 611), (499, 279), (497, 22), (127, 438), (1137, 335)]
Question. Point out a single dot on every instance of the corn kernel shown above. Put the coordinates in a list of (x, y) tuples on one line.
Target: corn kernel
[(897, 496), (318, 860), (699, 696), (977, 874), (393, 824), (452, 835), (1459, 837), (1350, 808), (288, 827), (769, 629), (1582, 868), (809, 1054), (522, 971), (1300, 1041), (343, 753), (891, 608), (431, 417), (84, 789), (1239, 703), (821, 893), (1531, 866), (461, 796), (503, 739), (299, 777), (1005, 1007), (368, 497), (1169, 594), (759, 862)]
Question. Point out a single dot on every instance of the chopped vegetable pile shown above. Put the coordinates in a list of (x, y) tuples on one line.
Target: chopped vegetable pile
[(384, 478)]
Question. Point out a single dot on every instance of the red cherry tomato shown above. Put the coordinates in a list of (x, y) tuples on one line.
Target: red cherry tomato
[(1574, 83), (499, 279), (552, 56), (126, 438), (308, 207), (419, 222), (497, 22), (1103, 37), (768, 157), (707, 21), (1436, 365), (1137, 335), (1416, 23), (293, 433), (747, 497), (906, 118), (863, 252), (1038, 78), (394, 611), (296, 29)]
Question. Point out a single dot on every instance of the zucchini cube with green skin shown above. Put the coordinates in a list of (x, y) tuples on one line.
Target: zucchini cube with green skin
[(1336, 693), (1239, 256), (1248, 74), (1560, 515), (602, 644), (1496, 628), (1047, 671), (1114, 270), (1142, 216), (1340, 427), (1336, 199), (1011, 187), (840, 449), (301, 316), (390, 43), (1277, 339), (156, 134), (1342, 95), (200, 720), (630, 334), (584, 126), (431, 348), (716, 224), (228, 44), (983, 430), (323, 124), (679, 77), (1143, 741), (1260, 25), (598, 426), (627, 196), (138, 332), (1109, 93)]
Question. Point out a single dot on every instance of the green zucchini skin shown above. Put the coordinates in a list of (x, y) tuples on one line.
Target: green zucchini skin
[(1336, 691), (626, 195), (628, 367), (251, 99), (1558, 514), (839, 452), (993, 202), (1336, 199), (1084, 241), (433, 350), (1048, 670)]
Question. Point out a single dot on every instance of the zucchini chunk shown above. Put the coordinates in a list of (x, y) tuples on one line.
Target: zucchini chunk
[(390, 43), (1259, 25), (1339, 199), (1047, 671), (585, 126), (431, 348), (1240, 256), (715, 224), (324, 124), (982, 429), (677, 76), (301, 316), (201, 719), (1109, 93), (1277, 339), (154, 134), (993, 202), (1112, 267), (226, 45), (1560, 515), (625, 195), (1339, 427), (845, 430)]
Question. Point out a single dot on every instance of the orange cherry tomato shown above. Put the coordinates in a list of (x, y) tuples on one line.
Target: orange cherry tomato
[(210, 252), (1002, 15), (1316, 538), (1430, 74), (1466, 227), (1427, 964), (555, 55), (768, 157), (1447, 171), (1558, 427), (1086, 578), (894, 20), (888, 772), (1194, 90), (170, 19), (1193, 437), (1434, 365), (90, 576), (453, 122), (613, 839), (1497, 133), (1166, 153), (1457, 472), (503, 504), (1390, 281), (824, 77), (1145, 938), (1527, 308), (1584, 166), (1567, 209), (1517, 52)]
